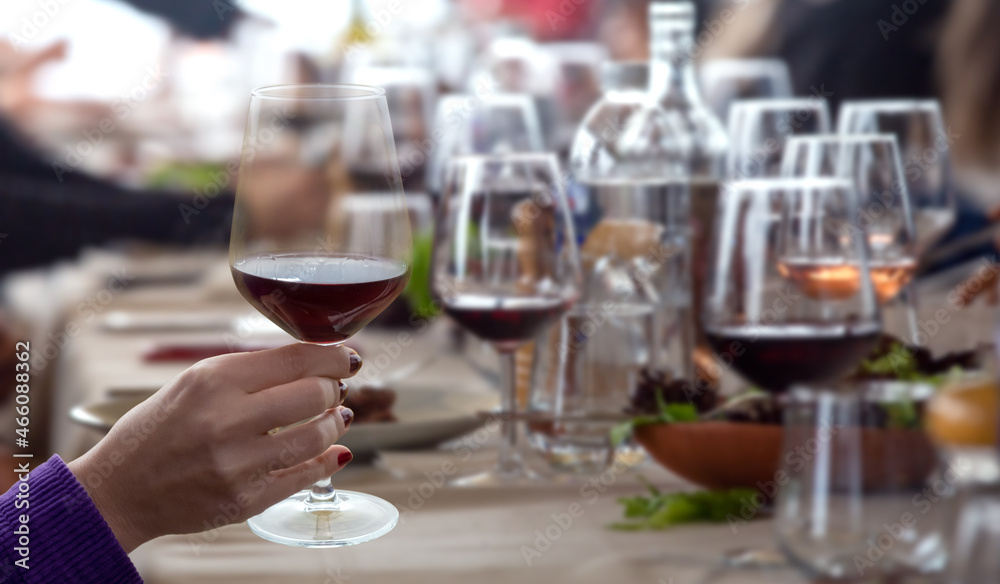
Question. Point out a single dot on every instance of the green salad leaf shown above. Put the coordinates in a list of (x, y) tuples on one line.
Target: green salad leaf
[(669, 413), (662, 510), (418, 289)]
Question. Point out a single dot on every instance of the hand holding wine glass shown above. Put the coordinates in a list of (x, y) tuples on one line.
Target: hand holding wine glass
[(223, 408), (316, 264)]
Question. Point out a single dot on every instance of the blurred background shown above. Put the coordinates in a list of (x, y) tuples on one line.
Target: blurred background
[(121, 125)]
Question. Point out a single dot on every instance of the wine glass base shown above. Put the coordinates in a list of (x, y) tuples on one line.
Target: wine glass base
[(499, 477), (754, 558), (355, 518)]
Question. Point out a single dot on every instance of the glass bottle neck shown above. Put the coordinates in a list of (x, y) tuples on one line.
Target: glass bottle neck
[(672, 80)]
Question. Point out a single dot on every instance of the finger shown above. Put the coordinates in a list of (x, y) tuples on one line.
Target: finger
[(262, 369), (301, 443), (293, 402), (301, 476)]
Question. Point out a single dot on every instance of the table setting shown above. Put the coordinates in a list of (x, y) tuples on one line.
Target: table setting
[(699, 341)]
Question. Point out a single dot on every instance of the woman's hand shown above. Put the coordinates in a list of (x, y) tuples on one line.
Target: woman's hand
[(200, 449)]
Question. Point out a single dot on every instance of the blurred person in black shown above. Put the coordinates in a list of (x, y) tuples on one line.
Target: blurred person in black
[(44, 219), (47, 215)]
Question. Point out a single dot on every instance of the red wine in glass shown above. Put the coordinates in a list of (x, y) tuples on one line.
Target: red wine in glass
[(776, 357), (319, 298), (506, 321)]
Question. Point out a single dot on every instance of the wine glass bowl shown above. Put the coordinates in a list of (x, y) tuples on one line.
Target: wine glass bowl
[(885, 217), (473, 124), (771, 308), (320, 252), (924, 148), (759, 128)]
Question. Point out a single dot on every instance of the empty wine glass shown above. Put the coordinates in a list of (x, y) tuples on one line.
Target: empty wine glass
[(766, 311), (924, 152), (487, 124), (724, 81), (306, 256), (505, 266), (885, 217), (759, 128), (410, 93)]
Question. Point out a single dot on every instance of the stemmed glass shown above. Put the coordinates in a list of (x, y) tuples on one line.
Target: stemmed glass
[(924, 151), (885, 216), (505, 266), (302, 256), (759, 128), (764, 313)]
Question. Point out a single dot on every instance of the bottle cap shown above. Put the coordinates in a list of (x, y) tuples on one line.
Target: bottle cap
[(622, 75), (671, 15)]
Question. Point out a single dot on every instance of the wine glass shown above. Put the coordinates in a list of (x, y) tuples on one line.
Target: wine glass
[(885, 220), (724, 81), (771, 310), (410, 94), (759, 128), (505, 266), (487, 124), (924, 152), (303, 255), (766, 313)]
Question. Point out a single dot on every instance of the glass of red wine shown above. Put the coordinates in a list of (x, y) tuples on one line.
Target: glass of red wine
[(790, 295), (790, 299), (505, 266), (315, 263)]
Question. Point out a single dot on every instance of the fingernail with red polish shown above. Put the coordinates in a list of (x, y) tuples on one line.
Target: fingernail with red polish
[(343, 391), (348, 415), (355, 361), (344, 458)]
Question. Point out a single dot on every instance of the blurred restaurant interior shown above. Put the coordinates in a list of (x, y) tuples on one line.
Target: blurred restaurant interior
[(644, 435)]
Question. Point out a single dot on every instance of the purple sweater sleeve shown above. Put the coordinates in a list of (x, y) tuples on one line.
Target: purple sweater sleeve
[(67, 539)]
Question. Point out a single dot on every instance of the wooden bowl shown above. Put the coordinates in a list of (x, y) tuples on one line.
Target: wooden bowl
[(716, 455), (726, 455)]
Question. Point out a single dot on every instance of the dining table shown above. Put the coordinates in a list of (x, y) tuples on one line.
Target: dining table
[(559, 530)]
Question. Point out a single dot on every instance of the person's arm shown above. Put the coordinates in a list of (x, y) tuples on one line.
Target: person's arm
[(42, 220), (50, 531)]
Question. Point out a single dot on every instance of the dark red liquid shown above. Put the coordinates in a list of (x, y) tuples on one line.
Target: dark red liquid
[(775, 358), (319, 298), (506, 321)]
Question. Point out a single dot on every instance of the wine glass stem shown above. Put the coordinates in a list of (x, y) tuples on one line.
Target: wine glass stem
[(508, 448), (908, 298), (322, 495)]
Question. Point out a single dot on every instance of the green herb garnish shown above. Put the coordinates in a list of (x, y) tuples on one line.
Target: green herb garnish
[(659, 510), (418, 288), (669, 413)]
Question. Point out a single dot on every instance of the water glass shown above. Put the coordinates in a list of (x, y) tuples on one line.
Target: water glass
[(862, 496)]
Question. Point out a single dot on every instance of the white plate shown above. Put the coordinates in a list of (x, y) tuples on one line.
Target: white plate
[(426, 417)]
